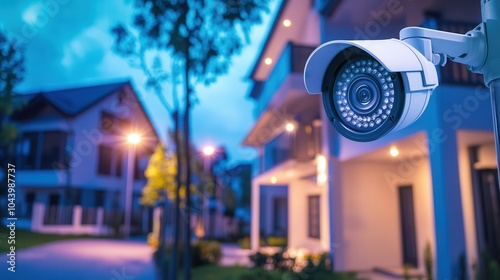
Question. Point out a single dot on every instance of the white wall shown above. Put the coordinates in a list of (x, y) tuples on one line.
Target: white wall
[(372, 230), (299, 191), (371, 218)]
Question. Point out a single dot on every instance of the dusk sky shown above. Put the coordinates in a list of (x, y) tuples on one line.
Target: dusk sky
[(70, 45)]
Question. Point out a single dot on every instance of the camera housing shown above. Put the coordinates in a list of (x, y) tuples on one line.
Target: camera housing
[(370, 88)]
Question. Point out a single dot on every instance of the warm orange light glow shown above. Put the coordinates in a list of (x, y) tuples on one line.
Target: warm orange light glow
[(273, 180), (133, 138), (290, 127), (287, 23), (321, 169), (394, 152), (208, 150), (268, 61)]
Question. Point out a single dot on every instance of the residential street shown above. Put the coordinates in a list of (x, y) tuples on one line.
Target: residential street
[(82, 260)]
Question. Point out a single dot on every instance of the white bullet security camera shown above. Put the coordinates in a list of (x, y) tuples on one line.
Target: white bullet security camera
[(370, 88)]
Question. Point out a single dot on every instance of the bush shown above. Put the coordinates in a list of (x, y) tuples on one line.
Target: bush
[(202, 253), (259, 259), (256, 274), (277, 241), (245, 242)]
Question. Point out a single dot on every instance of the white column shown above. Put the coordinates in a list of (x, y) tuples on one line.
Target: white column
[(77, 216), (255, 217)]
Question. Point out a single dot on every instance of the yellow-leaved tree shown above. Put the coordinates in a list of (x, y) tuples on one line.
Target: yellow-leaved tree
[(160, 188)]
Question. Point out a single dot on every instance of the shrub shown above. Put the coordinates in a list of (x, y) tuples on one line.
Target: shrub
[(428, 262), (256, 274), (245, 242), (277, 241), (202, 253), (259, 259)]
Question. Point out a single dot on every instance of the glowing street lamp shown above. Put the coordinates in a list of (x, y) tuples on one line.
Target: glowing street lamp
[(133, 140), (290, 127), (208, 151)]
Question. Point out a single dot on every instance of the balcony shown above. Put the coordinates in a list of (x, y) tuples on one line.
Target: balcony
[(292, 61), (302, 145), (454, 73)]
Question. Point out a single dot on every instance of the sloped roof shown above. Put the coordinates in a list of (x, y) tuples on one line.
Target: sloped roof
[(72, 101)]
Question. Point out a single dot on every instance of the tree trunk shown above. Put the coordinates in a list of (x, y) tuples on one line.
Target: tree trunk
[(174, 260), (187, 154)]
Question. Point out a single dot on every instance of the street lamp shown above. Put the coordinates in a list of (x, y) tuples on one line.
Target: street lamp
[(133, 140), (208, 152)]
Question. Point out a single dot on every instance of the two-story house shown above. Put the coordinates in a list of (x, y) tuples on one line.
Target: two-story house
[(72, 150), (376, 206)]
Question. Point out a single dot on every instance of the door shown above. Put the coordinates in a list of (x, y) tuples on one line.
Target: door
[(408, 232), (489, 200)]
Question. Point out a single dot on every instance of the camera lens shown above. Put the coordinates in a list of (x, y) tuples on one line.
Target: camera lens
[(364, 94), (360, 96)]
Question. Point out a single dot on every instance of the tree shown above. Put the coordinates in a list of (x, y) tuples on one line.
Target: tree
[(11, 74), (203, 36)]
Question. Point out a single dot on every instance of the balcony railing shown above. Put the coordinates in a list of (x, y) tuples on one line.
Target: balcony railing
[(302, 145), (292, 60), (454, 73)]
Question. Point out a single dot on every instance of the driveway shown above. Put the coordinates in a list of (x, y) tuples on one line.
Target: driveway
[(81, 260)]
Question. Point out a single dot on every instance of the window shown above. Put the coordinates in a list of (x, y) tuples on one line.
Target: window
[(42, 150), (99, 198), (28, 147), (54, 143), (107, 122), (105, 160), (314, 222), (118, 163), (110, 161)]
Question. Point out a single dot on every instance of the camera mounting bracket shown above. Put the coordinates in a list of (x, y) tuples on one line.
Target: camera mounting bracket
[(437, 46)]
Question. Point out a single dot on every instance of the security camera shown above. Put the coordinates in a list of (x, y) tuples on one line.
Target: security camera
[(370, 88)]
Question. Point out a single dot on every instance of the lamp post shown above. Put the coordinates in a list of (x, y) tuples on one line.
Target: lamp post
[(208, 152), (132, 139)]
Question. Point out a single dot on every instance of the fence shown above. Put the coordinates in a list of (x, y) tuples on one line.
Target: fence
[(68, 220)]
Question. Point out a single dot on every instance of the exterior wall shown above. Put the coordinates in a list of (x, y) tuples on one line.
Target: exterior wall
[(298, 217), (371, 206), (267, 196), (84, 139), (371, 221)]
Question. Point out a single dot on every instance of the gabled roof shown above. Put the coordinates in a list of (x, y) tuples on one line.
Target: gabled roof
[(72, 101)]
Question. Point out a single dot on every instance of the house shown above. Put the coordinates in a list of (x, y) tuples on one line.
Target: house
[(376, 206), (72, 152)]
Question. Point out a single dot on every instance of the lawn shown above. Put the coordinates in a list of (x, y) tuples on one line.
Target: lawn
[(25, 239), (213, 272)]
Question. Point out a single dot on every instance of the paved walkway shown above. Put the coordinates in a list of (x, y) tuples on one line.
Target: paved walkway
[(232, 254), (81, 260)]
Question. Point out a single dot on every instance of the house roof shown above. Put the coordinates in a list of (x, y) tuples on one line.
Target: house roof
[(266, 40), (75, 100), (72, 101)]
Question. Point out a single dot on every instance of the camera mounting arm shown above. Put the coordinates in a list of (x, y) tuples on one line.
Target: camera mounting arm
[(437, 46)]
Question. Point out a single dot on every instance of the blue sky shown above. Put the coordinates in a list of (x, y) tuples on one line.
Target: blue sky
[(68, 43)]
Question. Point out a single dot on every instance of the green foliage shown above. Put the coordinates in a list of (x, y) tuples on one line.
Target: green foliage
[(428, 262), (259, 259), (160, 174), (202, 253), (205, 34), (11, 74), (257, 274), (277, 241), (406, 272)]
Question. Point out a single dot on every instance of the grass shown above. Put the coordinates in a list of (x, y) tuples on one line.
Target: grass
[(214, 272), (26, 239)]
